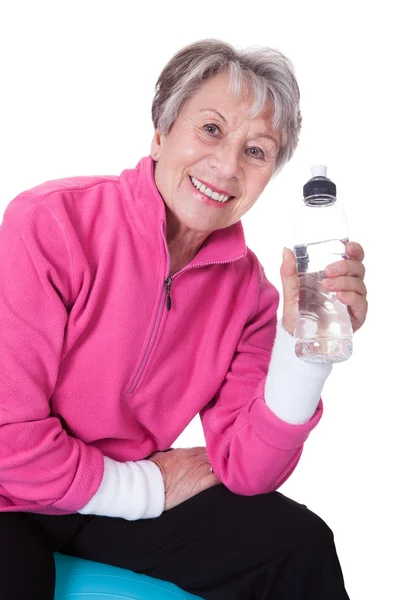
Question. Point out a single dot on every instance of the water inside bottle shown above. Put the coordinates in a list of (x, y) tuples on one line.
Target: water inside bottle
[(323, 328)]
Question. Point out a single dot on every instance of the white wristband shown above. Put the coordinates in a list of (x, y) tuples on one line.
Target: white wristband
[(293, 388), (130, 490)]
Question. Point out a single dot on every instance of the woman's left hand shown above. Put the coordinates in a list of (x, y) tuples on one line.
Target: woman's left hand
[(347, 281)]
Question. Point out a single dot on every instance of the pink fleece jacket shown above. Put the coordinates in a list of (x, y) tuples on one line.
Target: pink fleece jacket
[(94, 364)]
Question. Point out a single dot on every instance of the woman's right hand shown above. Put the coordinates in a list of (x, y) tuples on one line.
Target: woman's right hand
[(186, 472)]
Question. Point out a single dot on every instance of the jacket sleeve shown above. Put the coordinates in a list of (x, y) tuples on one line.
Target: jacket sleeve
[(251, 449), (39, 462)]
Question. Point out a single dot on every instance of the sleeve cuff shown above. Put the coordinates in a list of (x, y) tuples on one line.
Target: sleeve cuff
[(293, 388), (130, 490)]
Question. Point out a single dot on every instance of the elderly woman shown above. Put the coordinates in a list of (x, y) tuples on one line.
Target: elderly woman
[(128, 305)]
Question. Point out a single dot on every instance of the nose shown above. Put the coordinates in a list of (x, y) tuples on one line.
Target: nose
[(226, 160)]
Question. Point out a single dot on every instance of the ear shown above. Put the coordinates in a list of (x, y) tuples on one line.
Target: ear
[(157, 145)]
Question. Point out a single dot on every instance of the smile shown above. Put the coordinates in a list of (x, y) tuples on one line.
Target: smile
[(202, 187)]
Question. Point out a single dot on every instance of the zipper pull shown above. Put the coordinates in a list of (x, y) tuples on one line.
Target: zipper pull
[(168, 283)]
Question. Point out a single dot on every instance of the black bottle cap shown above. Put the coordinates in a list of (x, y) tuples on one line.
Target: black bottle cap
[(319, 184)]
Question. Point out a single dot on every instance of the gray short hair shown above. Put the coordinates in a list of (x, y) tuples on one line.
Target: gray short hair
[(269, 73)]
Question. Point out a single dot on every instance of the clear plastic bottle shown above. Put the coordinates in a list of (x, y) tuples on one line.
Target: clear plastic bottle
[(323, 331)]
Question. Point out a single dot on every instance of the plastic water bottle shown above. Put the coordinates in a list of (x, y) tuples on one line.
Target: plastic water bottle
[(323, 332)]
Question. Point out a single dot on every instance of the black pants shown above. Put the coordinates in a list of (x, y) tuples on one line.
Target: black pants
[(217, 545)]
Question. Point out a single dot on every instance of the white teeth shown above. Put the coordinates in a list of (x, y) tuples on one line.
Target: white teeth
[(206, 190)]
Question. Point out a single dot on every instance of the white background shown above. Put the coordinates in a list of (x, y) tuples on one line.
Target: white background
[(77, 81)]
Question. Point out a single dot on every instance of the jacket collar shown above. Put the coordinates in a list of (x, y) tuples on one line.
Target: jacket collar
[(223, 245)]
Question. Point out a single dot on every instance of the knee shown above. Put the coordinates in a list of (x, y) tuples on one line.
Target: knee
[(314, 533), (319, 528), (303, 527)]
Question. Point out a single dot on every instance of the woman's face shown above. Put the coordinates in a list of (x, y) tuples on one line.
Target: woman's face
[(214, 144)]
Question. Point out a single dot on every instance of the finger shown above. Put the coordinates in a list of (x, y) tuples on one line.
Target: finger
[(345, 284), (208, 481), (290, 282), (288, 263), (212, 476), (358, 305), (355, 250), (215, 480), (353, 268), (208, 472)]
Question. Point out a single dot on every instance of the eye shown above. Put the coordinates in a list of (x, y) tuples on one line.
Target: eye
[(256, 153), (212, 129)]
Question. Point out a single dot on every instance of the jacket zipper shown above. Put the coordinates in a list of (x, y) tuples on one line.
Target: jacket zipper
[(166, 301), (168, 283)]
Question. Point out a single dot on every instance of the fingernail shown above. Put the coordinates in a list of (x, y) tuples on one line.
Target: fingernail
[(332, 269), (352, 247)]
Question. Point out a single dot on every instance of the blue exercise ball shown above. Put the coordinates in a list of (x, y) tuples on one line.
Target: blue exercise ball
[(78, 579)]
